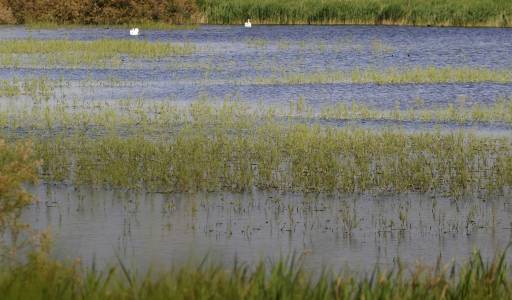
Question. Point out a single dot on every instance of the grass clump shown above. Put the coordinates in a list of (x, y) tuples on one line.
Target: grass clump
[(79, 53), (292, 158), (203, 147), (460, 113), (416, 75)]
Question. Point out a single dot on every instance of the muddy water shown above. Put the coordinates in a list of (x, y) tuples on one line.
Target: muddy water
[(353, 233)]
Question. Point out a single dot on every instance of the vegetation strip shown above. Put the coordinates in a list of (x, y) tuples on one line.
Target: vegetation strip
[(494, 13)]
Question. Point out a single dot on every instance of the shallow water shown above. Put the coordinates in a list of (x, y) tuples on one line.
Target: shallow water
[(227, 54), (353, 233)]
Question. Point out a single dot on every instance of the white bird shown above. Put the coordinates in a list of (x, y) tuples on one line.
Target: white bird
[(134, 31), (248, 23)]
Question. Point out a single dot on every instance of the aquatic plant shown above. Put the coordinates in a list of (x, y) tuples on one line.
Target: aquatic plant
[(165, 147), (79, 53), (293, 157), (391, 75)]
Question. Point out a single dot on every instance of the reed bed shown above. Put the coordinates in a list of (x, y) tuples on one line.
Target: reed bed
[(158, 117), (78, 53), (284, 279), (291, 158), (397, 12), (229, 147), (393, 75), (500, 111)]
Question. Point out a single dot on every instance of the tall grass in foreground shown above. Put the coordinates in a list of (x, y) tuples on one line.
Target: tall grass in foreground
[(401, 12), (42, 278)]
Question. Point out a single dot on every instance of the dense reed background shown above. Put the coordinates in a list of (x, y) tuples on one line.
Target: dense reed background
[(402, 12)]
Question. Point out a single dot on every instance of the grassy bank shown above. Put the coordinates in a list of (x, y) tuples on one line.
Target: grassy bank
[(494, 13), (400, 12)]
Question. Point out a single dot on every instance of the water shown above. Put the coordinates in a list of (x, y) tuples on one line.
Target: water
[(356, 232), (226, 54)]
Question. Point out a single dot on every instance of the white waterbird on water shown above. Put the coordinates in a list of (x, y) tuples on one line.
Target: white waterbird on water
[(248, 24), (134, 31)]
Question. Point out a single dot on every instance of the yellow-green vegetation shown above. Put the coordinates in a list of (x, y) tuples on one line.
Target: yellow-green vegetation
[(50, 279), (476, 279), (79, 53), (500, 111), (290, 158), (18, 165), (399, 12), (154, 118), (391, 75), (36, 88), (160, 147)]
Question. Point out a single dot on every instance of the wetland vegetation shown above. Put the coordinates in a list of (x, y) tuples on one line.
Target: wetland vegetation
[(399, 12), (134, 181)]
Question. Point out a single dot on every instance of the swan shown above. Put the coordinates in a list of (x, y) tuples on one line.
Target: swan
[(248, 23), (134, 31)]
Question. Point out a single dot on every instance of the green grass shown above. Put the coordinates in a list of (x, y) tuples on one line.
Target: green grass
[(37, 276), (291, 158), (399, 12), (79, 53), (160, 147), (42, 278), (417, 75), (460, 113)]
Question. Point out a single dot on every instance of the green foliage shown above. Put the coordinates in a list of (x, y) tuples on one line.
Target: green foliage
[(410, 12), (105, 52), (282, 280), (206, 147), (17, 166), (413, 12), (392, 75)]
